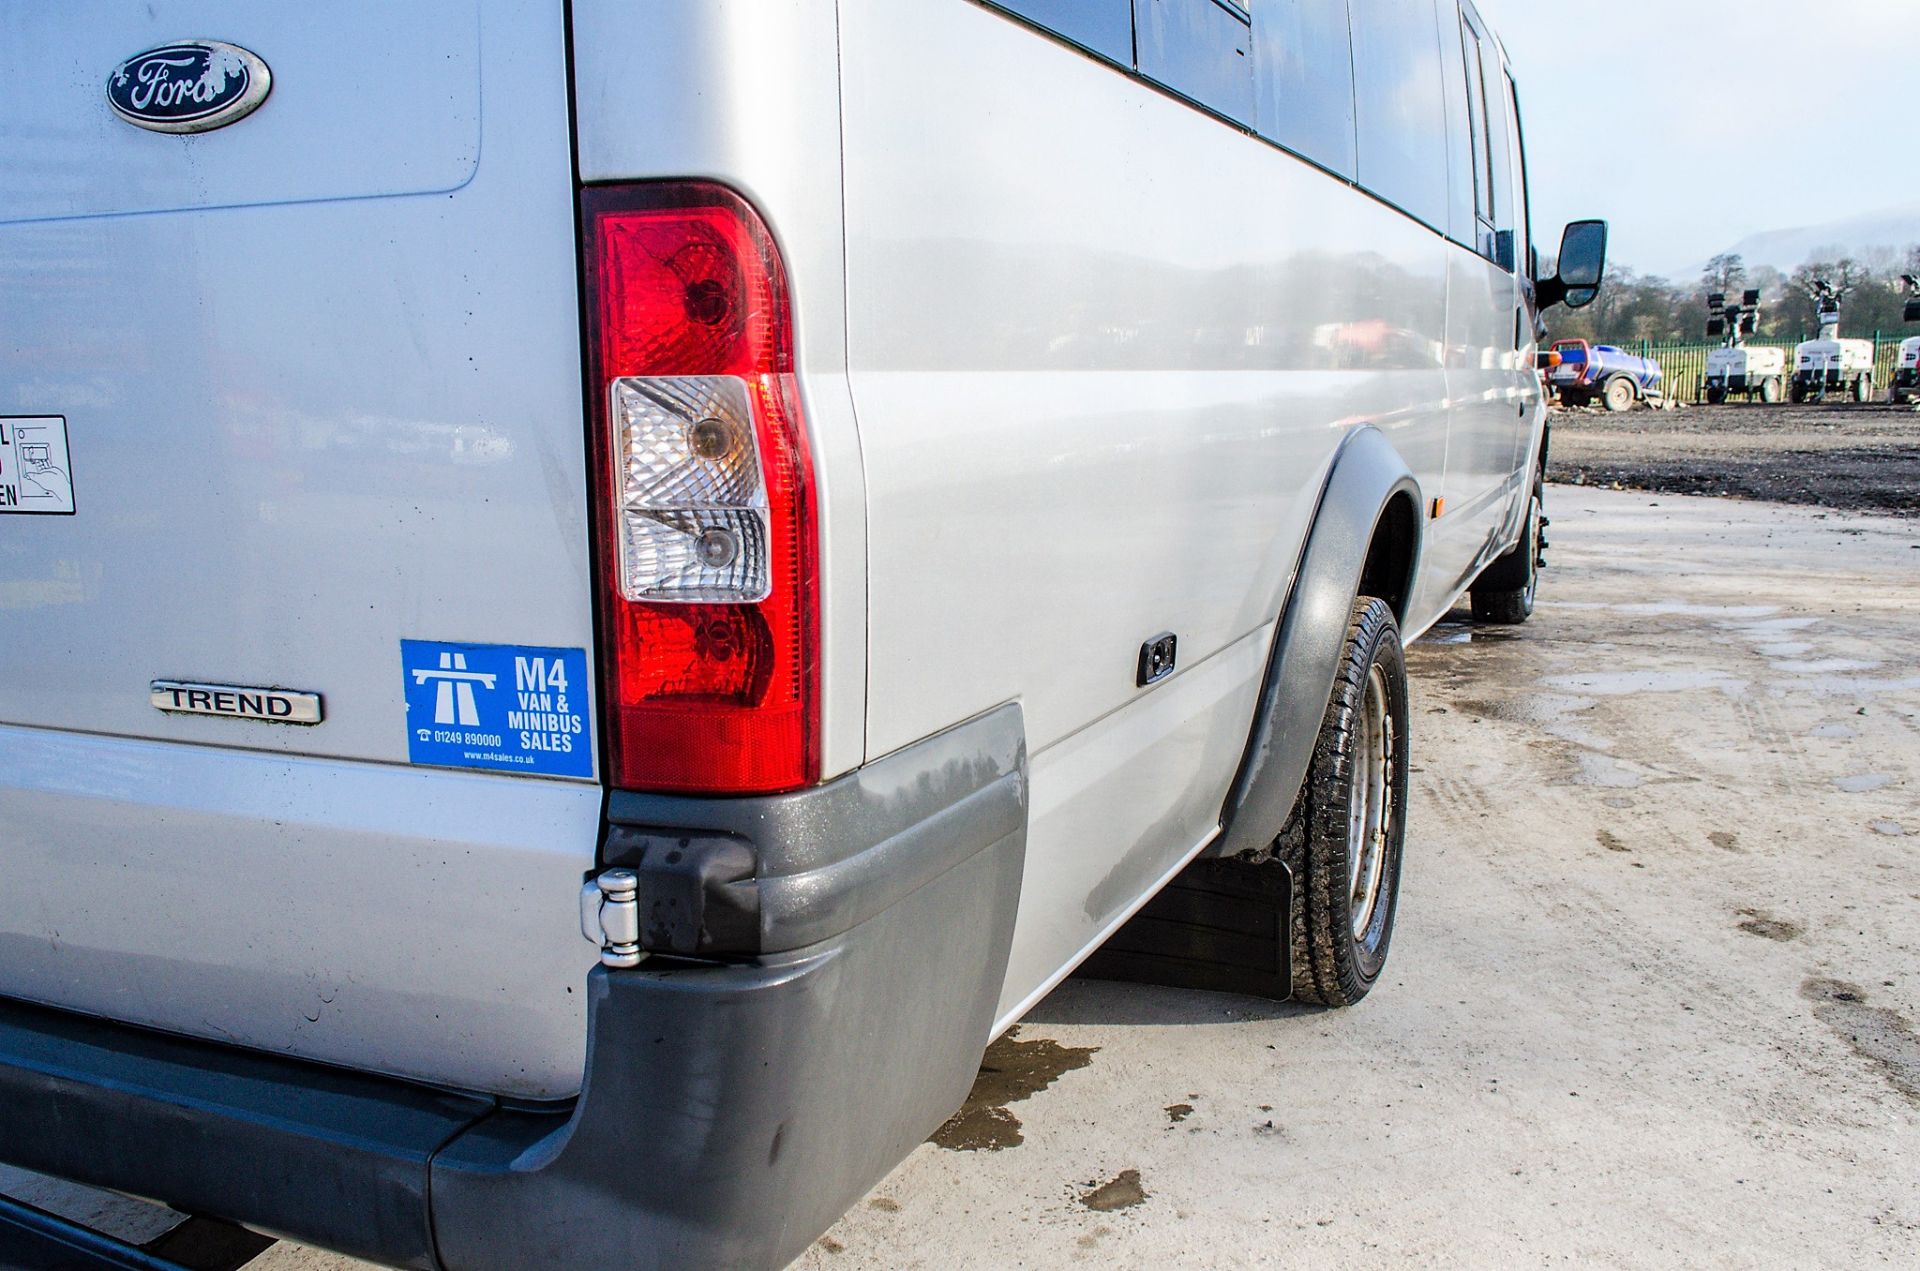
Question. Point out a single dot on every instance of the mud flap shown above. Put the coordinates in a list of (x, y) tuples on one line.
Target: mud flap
[(1220, 926)]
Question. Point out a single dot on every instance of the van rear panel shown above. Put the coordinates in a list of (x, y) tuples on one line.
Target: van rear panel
[(319, 376)]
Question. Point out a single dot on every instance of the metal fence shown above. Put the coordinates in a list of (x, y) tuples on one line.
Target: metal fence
[(1683, 367)]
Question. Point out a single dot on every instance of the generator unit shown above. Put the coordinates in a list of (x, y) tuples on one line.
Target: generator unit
[(1906, 373), (1829, 364), (1735, 369)]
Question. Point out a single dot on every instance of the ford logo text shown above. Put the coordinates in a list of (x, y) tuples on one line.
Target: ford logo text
[(191, 86)]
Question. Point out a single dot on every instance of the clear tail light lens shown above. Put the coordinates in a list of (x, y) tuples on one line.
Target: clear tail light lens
[(710, 607), (691, 505)]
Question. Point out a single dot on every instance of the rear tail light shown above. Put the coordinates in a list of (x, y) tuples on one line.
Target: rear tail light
[(710, 596)]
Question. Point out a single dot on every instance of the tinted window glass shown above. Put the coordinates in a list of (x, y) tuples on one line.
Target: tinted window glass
[(1477, 116), (1521, 230), (1303, 73), (1400, 105), (1105, 26), (1198, 48), (1477, 124), (1462, 225)]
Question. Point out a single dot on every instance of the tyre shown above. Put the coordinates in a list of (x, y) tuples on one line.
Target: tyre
[(1504, 592), (1574, 399), (1863, 389), (1798, 394), (1770, 390), (1716, 396), (1346, 838), (1620, 394)]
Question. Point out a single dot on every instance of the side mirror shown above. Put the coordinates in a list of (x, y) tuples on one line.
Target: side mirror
[(1583, 264)]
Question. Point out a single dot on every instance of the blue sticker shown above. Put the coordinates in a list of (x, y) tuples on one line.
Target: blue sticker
[(502, 706)]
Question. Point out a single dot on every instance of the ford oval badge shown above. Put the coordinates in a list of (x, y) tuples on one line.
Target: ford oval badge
[(190, 86)]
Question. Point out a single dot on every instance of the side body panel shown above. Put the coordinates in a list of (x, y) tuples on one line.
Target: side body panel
[(1103, 348)]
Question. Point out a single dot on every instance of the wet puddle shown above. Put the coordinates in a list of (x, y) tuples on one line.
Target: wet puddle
[(1882, 1037), (1622, 683), (1758, 922), (1122, 1192), (1011, 1071)]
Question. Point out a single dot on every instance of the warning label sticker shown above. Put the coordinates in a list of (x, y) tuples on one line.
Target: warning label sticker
[(35, 473), (500, 706)]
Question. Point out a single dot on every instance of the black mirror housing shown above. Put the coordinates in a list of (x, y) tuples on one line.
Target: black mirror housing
[(1582, 267)]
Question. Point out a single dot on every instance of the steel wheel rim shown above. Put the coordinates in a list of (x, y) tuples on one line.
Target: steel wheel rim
[(1370, 805)]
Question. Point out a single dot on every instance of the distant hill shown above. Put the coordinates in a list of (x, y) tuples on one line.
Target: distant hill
[(1894, 229)]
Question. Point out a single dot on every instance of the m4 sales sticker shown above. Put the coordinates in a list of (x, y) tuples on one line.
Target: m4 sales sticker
[(503, 706), (35, 473)]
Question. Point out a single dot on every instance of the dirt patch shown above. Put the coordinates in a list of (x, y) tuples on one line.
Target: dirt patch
[(1859, 457), (1758, 922), (1611, 841), (1882, 1037), (1178, 1112), (1122, 1192), (1012, 1070), (1725, 840)]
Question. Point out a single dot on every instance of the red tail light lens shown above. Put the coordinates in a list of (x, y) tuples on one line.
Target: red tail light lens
[(704, 490)]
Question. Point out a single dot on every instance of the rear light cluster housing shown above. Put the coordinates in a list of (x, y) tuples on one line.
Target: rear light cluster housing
[(707, 543)]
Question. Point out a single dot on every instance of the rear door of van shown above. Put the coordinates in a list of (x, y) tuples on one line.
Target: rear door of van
[(296, 722)]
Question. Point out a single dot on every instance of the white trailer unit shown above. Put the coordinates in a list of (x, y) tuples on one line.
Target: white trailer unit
[(1747, 372), (1833, 365), (1906, 373)]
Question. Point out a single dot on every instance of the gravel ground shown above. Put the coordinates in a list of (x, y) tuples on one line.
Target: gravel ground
[(1651, 1003), (1858, 457)]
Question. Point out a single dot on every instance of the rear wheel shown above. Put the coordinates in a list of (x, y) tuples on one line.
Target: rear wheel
[(1715, 396), (1619, 394), (1505, 591), (1798, 394), (1345, 840), (1863, 389), (1770, 390)]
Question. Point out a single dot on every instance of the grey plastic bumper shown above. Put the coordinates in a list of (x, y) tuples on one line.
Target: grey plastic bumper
[(730, 1111)]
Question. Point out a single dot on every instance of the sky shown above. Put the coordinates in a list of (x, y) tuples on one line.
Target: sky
[(1690, 124)]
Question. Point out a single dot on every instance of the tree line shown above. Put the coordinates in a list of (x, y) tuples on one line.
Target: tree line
[(1632, 307)]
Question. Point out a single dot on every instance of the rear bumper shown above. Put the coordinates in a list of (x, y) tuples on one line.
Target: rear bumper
[(731, 1111)]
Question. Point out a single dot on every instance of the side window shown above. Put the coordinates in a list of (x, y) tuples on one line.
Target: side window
[(1303, 73), (1198, 48), (1490, 119), (1462, 156), (1482, 139), (1400, 105), (1103, 26), (1521, 229)]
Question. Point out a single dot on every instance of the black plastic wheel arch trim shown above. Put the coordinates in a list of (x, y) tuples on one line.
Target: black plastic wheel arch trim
[(1367, 473)]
